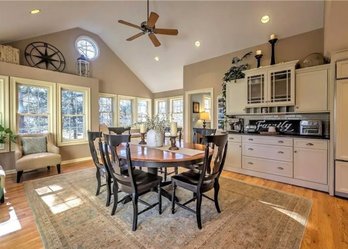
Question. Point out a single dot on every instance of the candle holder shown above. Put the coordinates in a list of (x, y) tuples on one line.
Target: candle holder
[(273, 42), (173, 143), (258, 59), (142, 137)]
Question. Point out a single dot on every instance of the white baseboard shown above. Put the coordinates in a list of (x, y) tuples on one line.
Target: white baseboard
[(10, 171), (76, 160)]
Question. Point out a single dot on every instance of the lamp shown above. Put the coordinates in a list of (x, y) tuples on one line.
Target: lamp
[(204, 116), (82, 66)]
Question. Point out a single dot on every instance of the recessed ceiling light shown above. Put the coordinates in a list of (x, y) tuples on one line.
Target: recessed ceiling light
[(265, 19), (156, 58), (35, 11), (197, 43)]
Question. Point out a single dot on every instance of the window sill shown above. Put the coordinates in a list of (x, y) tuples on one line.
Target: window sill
[(70, 143)]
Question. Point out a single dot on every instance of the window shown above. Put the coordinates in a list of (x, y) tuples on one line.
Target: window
[(144, 109), (207, 105), (161, 108), (74, 114), (177, 110), (87, 47), (33, 106), (106, 111), (4, 108), (125, 117)]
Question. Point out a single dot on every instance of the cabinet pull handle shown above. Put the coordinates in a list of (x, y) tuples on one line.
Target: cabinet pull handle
[(281, 141), (309, 144), (250, 163), (231, 138), (250, 149), (280, 152), (281, 168), (250, 139)]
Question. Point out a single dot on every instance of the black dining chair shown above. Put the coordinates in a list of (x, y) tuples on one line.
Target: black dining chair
[(102, 171), (133, 182), (201, 180), (200, 133), (119, 130)]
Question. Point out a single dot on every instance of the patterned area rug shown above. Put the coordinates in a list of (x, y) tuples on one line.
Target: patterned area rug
[(69, 215)]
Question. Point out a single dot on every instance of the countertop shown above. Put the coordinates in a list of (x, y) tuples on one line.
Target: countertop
[(296, 135)]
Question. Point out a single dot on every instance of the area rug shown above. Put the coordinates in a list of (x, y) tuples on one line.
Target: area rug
[(69, 215)]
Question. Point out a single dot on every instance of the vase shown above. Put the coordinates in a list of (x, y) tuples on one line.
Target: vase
[(154, 138)]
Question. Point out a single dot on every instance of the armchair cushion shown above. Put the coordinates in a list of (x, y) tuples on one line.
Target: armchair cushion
[(37, 160), (32, 145)]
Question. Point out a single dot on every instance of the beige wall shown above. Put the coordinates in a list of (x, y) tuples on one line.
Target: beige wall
[(67, 152), (209, 73), (114, 76), (336, 20), (167, 94)]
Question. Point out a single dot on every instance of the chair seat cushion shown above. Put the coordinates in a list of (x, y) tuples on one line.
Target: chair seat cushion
[(190, 179), (144, 181), (38, 160)]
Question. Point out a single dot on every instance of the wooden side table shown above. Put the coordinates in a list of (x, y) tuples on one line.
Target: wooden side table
[(2, 185)]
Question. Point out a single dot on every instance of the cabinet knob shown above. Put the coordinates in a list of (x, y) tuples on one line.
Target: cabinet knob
[(240, 146), (281, 141), (295, 151), (280, 152), (309, 144), (281, 168), (297, 107), (251, 163)]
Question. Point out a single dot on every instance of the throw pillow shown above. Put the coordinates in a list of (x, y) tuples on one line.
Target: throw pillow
[(32, 145)]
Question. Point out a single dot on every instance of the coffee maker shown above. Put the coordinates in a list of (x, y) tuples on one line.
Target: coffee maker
[(236, 124)]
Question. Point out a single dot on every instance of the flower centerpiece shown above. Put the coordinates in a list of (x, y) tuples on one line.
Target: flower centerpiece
[(155, 126), (5, 134)]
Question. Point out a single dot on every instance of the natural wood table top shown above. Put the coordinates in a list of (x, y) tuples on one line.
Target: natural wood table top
[(156, 157)]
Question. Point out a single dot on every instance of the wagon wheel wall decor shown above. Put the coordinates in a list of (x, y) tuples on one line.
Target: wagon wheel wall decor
[(45, 56)]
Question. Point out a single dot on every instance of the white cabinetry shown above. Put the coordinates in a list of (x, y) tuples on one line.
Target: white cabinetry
[(235, 97), (310, 160), (234, 152), (271, 85), (342, 69), (341, 178), (342, 120), (312, 89)]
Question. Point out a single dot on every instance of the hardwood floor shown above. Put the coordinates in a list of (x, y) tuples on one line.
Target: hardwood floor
[(327, 227)]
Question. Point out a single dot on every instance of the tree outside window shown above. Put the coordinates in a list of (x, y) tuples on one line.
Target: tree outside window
[(106, 112), (143, 110), (126, 113), (177, 107)]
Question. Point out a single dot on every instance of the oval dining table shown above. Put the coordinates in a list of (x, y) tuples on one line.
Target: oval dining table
[(154, 158)]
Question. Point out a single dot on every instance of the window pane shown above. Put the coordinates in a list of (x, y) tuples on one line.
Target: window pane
[(162, 107), (32, 124), (72, 102), (73, 127), (143, 110), (105, 104), (125, 118), (106, 118)]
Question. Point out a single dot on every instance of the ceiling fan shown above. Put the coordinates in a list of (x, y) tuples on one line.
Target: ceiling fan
[(148, 27)]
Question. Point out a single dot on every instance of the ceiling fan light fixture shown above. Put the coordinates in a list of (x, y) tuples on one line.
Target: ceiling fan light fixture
[(35, 11), (197, 44), (265, 19)]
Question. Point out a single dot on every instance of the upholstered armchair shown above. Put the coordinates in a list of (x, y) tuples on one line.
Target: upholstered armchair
[(35, 151)]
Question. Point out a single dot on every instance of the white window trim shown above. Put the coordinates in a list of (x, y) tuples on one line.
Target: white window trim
[(4, 107), (87, 108), (14, 81), (149, 101), (171, 106), (134, 108), (114, 106), (161, 100)]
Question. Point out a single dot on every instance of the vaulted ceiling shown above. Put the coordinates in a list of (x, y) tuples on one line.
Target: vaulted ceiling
[(221, 27)]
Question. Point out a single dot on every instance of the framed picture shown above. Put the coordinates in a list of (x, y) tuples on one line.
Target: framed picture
[(195, 107)]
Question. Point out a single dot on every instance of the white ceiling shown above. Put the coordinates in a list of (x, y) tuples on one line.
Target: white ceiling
[(222, 27)]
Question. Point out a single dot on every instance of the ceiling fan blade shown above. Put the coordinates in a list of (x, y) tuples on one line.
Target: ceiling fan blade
[(152, 19), (135, 36), (154, 40), (129, 24), (166, 31)]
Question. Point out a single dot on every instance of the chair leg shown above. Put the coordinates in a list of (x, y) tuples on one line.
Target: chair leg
[(198, 210), (159, 199), (2, 200), (173, 198), (115, 190), (97, 175), (19, 175), (135, 212), (216, 196), (48, 168), (176, 170), (108, 190), (165, 173), (58, 168)]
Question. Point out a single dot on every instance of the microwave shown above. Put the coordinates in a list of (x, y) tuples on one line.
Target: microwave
[(311, 127)]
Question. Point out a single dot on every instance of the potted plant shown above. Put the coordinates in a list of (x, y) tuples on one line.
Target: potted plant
[(155, 130), (236, 71), (6, 133)]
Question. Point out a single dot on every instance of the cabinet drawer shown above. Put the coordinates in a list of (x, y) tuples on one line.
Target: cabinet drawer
[(267, 140), (281, 153), (267, 166), (342, 69), (310, 144), (235, 138)]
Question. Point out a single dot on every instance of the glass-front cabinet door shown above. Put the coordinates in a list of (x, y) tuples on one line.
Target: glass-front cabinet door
[(281, 88), (256, 89)]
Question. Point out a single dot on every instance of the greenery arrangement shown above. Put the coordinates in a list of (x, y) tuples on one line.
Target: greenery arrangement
[(6, 133), (236, 71), (156, 122)]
